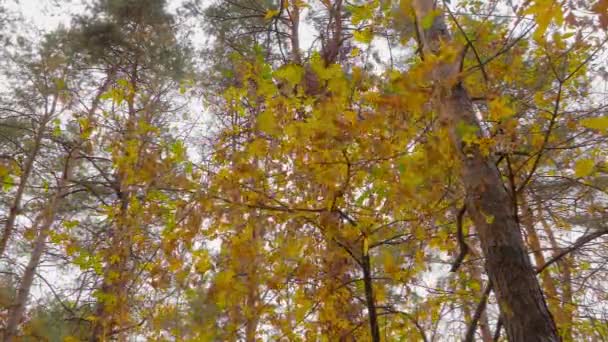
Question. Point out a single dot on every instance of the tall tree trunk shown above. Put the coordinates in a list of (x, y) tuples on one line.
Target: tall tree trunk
[(42, 225), (112, 311), (521, 301), (484, 326), (15, 208), (527, 219), (252, 304), (294, 27), (111, 308), (565, 265), (369, 294)]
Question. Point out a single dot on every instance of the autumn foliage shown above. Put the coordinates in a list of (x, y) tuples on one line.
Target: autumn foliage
[(323, 170)]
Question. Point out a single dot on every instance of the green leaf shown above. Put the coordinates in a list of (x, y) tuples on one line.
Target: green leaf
[(59, 83), (56, 128)]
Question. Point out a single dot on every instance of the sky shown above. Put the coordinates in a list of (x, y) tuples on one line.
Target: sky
[(46, 14)]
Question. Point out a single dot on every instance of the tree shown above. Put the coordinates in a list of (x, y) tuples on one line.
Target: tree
[(523, 307), (366, 171)]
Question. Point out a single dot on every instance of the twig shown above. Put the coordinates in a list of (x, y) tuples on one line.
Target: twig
[(464, 248), (481, 306)]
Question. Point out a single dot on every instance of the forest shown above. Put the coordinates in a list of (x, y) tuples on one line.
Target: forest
[(304, 170)]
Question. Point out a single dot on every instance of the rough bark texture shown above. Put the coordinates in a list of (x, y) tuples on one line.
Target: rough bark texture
[(522, 304), (526, 316)]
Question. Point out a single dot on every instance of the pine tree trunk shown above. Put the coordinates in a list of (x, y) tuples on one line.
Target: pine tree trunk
[(47, 218), (109, 314), (549, 285), (521, 301), (566, 281), (9, 226)]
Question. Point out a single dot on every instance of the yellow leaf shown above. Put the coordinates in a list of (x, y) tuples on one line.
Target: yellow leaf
[(365, 246), (267, 122), (500, 109), (600, 124), (258, 148), (364, 36), (271, 14), (429, 19), (291, 73), (389, 263), (584, 167)]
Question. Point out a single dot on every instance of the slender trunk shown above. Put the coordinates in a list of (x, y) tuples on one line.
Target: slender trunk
[(565, 264), (111, 308), (484, 326), (294, 18), (47, 218), (521, 301), (548, 283), (15, 208), (369, 296), (251, 313)]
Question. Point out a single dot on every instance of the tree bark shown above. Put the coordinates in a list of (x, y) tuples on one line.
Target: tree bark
[(110, 317), (47, 217), (15, 208), (553, 300), (521, 301), (369, 297), (484, 326), (566, 280)]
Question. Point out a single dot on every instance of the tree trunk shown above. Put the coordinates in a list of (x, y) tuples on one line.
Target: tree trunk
[(565, 265), (369, 296), (111, 310), (553, 300), (9, 226), (252, 302), (47, 218), (484, 326), (521, 301)]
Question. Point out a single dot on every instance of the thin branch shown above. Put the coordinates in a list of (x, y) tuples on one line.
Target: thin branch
[(464, 248), (576, 245), (481, 306), (469, 43)]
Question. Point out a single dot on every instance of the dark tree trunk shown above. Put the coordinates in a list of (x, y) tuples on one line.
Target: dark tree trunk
[(521, 301), (522, 304), (369, 298)]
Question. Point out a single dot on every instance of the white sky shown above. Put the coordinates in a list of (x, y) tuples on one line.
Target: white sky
[(46, 15)]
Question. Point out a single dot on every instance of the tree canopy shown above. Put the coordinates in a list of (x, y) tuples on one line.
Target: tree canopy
[(306, 170)]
